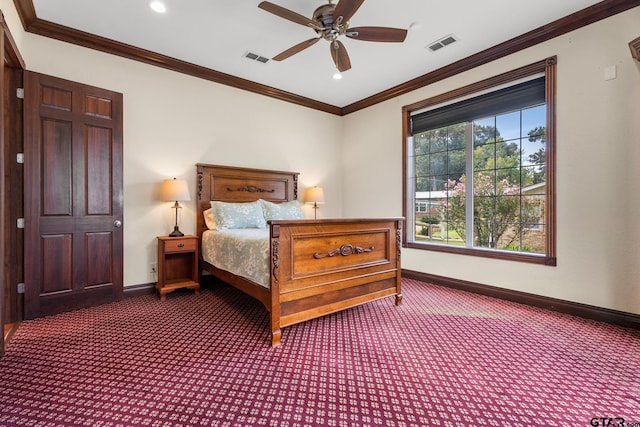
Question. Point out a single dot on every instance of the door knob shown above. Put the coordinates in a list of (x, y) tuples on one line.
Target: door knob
[(117, 223)]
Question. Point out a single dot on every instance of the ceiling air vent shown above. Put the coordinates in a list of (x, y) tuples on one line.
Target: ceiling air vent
[(256, 57), (445, 41)]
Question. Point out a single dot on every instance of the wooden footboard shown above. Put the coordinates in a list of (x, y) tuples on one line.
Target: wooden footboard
[(324, 266)]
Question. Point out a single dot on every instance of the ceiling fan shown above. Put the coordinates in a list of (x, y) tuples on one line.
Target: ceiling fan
[(331, 21)]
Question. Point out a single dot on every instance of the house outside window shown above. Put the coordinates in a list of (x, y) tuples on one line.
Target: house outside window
[(478, 169)]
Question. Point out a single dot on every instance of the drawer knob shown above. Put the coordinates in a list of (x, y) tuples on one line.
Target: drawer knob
[(181, 245)]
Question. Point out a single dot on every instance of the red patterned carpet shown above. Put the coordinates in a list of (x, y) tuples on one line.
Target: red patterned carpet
[(442, 358)]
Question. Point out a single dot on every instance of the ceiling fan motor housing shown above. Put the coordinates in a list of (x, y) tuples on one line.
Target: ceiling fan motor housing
[(329, 29)]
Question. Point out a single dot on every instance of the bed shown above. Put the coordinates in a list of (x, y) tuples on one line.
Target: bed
[(315, 267)]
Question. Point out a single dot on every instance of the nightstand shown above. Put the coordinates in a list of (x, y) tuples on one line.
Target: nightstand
[(177, 264)]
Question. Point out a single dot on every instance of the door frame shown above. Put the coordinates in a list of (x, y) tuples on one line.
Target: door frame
[(11, 72)]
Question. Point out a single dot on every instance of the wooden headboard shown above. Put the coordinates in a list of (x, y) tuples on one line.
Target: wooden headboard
[(235, 184)]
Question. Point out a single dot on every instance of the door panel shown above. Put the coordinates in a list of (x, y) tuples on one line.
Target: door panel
[(98, 256), (56, 264), (56, 167), (73, 195), (99, 148)]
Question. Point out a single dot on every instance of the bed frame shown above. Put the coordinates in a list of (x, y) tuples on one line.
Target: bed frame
[(317, 266)]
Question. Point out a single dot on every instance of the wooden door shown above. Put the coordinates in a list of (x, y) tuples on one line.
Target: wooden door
[(73, 195)]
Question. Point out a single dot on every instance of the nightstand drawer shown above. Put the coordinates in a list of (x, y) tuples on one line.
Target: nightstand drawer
[(177, 244)]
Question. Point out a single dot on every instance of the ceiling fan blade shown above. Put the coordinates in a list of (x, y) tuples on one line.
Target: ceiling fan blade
[(286, 14), (295, 49), (340, 56), (377, 34), (346, 9)]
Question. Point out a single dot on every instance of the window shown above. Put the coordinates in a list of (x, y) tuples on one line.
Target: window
[(478, 171)]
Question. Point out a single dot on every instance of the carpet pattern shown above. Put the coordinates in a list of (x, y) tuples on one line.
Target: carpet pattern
[(443, 358)]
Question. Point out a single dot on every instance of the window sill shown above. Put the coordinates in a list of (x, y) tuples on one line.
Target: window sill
[(485, 253)]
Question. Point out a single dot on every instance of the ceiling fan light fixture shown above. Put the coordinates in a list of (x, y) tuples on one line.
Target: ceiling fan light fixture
[(158, 6), (337, 75)]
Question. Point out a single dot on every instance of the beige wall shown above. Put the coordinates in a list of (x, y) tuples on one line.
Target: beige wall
[(598, 171), (172, 121)]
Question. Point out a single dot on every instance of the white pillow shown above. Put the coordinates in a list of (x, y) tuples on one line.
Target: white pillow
[(238, 215), (288, 210), (209, 220)]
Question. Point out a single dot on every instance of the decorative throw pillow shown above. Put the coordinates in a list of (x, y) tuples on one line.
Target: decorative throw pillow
[(288, 210), (238, 215), (209, 220)]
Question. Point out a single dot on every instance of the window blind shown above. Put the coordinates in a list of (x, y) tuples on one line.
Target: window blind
[(512, 98)]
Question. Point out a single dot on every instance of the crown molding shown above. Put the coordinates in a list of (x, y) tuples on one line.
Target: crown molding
[(584, 17), (34, 25), (597, 12)]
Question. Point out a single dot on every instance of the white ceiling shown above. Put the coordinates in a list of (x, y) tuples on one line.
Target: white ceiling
[(216, 34)]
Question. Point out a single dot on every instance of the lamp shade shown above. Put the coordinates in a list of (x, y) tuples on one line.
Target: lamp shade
[(175, 190), (314, 195)]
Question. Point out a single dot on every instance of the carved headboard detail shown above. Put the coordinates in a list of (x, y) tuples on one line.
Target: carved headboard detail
[(236, 184)]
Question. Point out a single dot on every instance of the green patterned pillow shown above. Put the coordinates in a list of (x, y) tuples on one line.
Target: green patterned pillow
[(288, 210), (238, 215)]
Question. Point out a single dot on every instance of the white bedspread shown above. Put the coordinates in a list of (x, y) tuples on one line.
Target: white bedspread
[(243, 252)]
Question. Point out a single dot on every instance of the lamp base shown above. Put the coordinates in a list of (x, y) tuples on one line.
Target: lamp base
[(176, 232)]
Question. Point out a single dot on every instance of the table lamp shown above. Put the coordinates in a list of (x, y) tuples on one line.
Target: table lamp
[(315, 196), (175, 190)]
